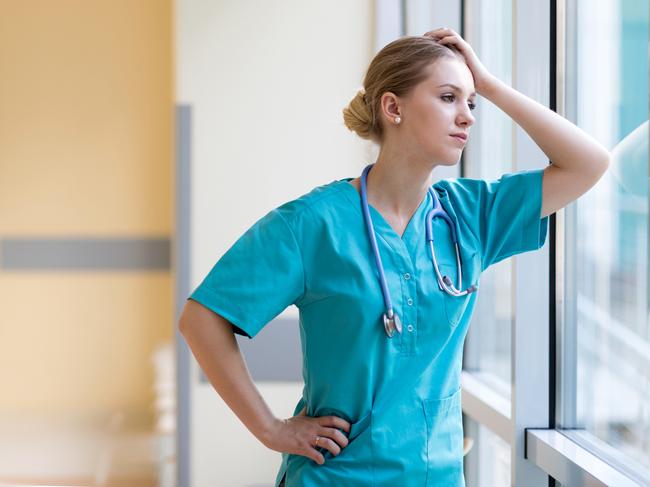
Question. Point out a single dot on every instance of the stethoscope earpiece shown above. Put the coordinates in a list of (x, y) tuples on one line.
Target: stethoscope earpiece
[(391, 319)]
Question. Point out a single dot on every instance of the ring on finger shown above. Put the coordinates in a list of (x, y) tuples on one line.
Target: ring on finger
[(317, 439)]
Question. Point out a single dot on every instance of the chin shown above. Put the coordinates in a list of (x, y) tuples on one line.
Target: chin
[(449, 162), (447, 157)]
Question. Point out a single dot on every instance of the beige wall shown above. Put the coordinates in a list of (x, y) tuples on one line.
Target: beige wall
[(86, 150)]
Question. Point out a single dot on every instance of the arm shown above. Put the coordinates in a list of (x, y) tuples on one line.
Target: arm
[(213, 343), (578, 161)]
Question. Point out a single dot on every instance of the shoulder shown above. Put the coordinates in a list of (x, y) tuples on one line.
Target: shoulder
[(460, 188), (321, 200), (519, 180)]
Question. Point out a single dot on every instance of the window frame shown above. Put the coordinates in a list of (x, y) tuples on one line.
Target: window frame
[(535, 420)]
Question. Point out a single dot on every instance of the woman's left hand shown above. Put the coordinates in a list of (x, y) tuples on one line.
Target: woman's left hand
[(482, 77)]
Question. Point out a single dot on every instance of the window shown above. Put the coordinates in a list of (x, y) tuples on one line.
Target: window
[(604, 386)]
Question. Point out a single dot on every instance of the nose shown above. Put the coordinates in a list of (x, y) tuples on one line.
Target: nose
[(465, 117)]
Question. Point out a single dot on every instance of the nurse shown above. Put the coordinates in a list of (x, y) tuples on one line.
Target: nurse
[(378, 409)]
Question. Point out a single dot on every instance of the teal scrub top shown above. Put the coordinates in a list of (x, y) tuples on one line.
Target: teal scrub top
[(400, 394)]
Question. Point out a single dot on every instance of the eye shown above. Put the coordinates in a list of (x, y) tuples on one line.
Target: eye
[(472, 106)]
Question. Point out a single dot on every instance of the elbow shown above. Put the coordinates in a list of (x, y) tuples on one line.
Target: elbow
[(195, 316), (603, 167), (605, 163), (184, 319), (600, 167), (181, 326)]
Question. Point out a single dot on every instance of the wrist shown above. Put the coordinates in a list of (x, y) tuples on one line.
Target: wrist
[(268, 429), (488, 87)]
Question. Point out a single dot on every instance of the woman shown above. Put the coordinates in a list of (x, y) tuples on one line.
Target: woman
[(382, 327)]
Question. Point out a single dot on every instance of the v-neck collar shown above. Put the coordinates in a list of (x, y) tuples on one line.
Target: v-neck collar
[(414, 234), (378, 220)]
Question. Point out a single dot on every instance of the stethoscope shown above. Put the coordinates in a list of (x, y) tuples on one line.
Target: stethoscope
[(391, 319)]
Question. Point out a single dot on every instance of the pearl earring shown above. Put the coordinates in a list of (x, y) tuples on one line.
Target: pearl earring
[(398, 119)]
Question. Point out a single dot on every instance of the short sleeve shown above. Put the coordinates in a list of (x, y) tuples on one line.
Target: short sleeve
[(503, 214), (257, 278)]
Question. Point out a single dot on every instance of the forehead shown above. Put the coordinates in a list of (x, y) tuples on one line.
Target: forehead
[(451, 74)]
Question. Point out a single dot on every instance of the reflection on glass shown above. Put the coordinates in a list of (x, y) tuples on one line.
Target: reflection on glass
[(610, 297)]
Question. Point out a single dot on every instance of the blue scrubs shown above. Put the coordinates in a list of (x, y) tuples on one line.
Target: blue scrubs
[(400, 394)]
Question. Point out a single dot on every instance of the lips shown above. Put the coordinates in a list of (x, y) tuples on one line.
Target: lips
[(458, 138), (460, 135)]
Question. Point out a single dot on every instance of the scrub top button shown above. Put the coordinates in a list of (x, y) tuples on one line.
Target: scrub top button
[(407, 276), (409, 301), (410, 328)]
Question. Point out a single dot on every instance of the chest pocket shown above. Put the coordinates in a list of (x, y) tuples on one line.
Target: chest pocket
[(455, 306)]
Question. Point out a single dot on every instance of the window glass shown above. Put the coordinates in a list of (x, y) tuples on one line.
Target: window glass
[(605, 373), (487, 464)]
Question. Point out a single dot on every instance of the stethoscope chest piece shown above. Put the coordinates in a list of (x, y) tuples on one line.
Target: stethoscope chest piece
[(391, 324)]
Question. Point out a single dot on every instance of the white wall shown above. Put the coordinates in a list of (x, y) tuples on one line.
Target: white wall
[(267, 80)]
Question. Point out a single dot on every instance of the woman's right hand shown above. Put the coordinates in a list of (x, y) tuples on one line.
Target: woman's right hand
[(298, 434)]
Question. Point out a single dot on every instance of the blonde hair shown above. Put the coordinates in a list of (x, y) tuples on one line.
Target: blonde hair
[(398, 67)]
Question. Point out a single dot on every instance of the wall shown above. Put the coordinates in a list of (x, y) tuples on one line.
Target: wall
[(86, 151)]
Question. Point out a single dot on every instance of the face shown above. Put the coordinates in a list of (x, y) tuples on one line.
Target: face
[(431, 112)]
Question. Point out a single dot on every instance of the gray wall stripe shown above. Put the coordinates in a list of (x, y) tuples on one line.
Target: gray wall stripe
[(85, 253)]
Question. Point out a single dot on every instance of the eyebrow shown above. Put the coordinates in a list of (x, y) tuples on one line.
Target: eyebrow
[(456, 88)]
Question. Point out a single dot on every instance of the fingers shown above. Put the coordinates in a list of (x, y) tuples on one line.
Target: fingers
[(442, 32), (326, 439), (329, 436), (450, 39), (335, 422), (335, 438), (327, 429), (310, 452), (328, 444)]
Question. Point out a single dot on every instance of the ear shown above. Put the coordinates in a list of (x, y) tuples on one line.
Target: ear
[(390, 106)]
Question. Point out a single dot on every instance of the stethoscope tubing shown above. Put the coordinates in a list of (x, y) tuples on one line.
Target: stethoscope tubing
[(373, 242), (391, 319)]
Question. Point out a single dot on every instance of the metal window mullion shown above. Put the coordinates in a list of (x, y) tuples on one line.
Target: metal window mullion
[(388, 23), (566, 225), (182, 268), (530, 336), (470, 167)]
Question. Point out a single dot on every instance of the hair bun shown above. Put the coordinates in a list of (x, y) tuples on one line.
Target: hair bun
[(357, 116)]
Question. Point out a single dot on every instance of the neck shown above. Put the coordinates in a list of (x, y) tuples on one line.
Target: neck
[(398, 185)]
